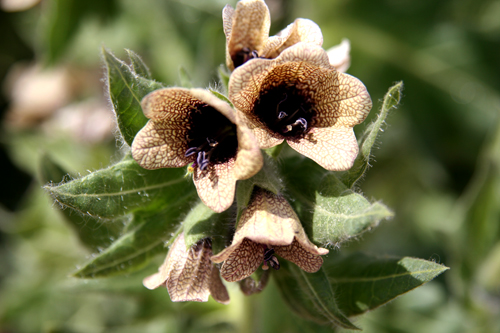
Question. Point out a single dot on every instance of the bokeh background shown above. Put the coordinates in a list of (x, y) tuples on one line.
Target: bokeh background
[(437, 166)]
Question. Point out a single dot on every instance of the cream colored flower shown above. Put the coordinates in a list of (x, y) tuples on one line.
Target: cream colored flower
[(247, 33), (193, 126), (189, 274), (300, 97), (268, 226)]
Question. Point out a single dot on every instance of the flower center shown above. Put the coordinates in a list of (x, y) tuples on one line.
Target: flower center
[(211, 137), (285, 111), (243, 55), (270, 259)]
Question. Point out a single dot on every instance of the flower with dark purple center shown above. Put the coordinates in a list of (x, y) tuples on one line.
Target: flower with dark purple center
[(188, 274), (192, 126), (268, 228), (301, 98)]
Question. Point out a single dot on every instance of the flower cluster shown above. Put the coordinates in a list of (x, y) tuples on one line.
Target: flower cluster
[(281, 88)]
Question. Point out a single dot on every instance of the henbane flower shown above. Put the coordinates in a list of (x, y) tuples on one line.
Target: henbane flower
[(193, 126), (268, 226), (247, 33), (301, 98), (189, 274)]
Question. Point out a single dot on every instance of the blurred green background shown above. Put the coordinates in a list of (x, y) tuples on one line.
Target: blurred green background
[(438, 166)]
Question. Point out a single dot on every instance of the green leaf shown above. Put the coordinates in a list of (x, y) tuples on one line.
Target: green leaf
[(479, 207), (186, 80), (330, 212), (362, 162), (310, 295), (146, 235), (94, 233), (138, 66), (202, 222), (63, 20), (121, 188), (50, 171), (220, 96), (126, 90), (363, 282), (224, 77)]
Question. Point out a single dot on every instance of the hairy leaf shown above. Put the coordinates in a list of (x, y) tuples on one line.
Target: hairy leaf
[(479, 207), (186, 80), (121, 188), (126, 90), (63, 20), (329, 211), (363, 282), (202, 222), (310, 295), (362, 162), (220, 96), (94, 233), (224, 77), (138, 66), (144, 237)]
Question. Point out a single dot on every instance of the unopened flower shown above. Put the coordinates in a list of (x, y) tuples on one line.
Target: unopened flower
[(301, 98), (193, 126), (189, 275), (268, 227), (247, 33)]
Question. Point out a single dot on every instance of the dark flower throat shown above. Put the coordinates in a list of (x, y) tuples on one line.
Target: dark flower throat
[(285, 111), (211, 137)]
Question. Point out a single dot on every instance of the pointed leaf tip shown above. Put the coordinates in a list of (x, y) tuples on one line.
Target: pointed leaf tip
[(138, 65), (126, 90), (367, 282), (391, 100)]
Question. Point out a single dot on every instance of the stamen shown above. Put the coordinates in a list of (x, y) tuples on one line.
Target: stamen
[(254, 54), (191, 151), (282, 115), (274, 263), (287, 128), (268, 254), (212, 142), (200, 158), (302, 122), (204, 164)]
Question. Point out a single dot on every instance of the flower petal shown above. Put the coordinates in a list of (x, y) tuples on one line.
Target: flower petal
[(250, 25), (341, 100), (217, 288), (162, 142), (243, 261), (227, 20), (158, 279), (268, 219), (297, 254), (249, 286), (158, 146), (171, 105), (216, 185), (249, 158), (339, 55), (186, 273), (190, 272), (301, 30), (334, 148)]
